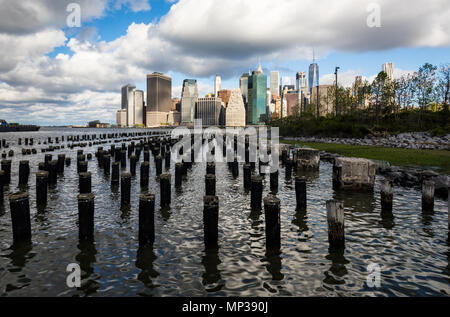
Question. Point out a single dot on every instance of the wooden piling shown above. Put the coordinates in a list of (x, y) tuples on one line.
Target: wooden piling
[(272, 218), (20, 217), (210, 185), (300, 194), (24, 172), (211, 222), (428, 196), (41, 188), (335, 218), (256, 192), (387, 194), (86, 209), (146, 219), (125, 190), (165, 190), (85, 183)]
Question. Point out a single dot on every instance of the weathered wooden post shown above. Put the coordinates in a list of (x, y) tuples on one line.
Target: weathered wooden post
[(165, 190), (146, 219), (68, 161), (82, 167), (428, 196), (85, 183), (123, 159), (210, 185), (86, 209), (211, 168), (256, 192), (115, 174), (300, 194), (235, 168), (53, 173), (178, 174), (107, 164), (158, 163), (387, 194), (288, 168), (133, 165), (41, 188), (336, 229), (6, 167), (274, 181), (20, 217), (61, 159), (167, 159), (211, 222), (125, 189), (247, 176), (24, 173), (145, 173), (273, 230), (146, 156)]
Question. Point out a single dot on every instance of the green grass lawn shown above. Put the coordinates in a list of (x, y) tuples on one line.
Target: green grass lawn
[(439, 160)]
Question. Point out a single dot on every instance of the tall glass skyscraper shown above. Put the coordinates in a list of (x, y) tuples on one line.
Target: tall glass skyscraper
[(313, 76), (189, 97), (257, 94)]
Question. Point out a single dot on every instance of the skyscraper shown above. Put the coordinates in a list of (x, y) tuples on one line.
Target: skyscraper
[(159, 93), (313, 76), (257, 88), (189, 96), (210, 111), (243, 85), (275, 83), (301, 81), (217, 85), (235, 112), (138, 107), (388, 68), (126, 91)]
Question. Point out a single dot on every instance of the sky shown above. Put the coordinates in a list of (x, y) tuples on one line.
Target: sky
[(56, 73)]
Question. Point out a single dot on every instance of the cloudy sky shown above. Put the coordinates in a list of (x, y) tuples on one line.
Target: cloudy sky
[(54, 74)]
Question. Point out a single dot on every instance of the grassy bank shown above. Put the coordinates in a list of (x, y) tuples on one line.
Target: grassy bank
[(398, 157)]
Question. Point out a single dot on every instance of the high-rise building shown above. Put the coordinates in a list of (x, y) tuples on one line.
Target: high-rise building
[(217, 85), (225, 95), (388, 68), (126, 95), (235, 112), (301, 81), (189, 96), (210, 111), (243, 85), (313, 76), (257, 87), (138, 107), (275, 83), (121, 118), (159, 93)]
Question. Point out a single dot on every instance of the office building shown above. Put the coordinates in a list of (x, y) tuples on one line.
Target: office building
[(121, 118), (275, 83), (189, 96), (301, 81), (217, 85), (225, 96), (210, 111), (326, 100), (257, 87), (159, 93), (235, 111), (138, 108), (243, 85), (313, 76), (388, 68), (127, 90)]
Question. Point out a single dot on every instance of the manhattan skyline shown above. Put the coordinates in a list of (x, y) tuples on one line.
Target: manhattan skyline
[(52, 74)]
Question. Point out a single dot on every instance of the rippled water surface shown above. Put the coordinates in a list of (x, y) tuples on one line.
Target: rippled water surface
[(412, 249)]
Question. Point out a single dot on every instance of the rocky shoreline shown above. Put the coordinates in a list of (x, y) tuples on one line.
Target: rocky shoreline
[(405, 176), (415, 140)]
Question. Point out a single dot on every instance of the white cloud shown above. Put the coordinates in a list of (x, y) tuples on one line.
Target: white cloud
[(198, 38)]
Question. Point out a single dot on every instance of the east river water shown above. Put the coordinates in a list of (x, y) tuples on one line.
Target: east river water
[(412, 250)]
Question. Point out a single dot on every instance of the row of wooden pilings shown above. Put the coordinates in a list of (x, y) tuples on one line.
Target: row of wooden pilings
[(160, 148)]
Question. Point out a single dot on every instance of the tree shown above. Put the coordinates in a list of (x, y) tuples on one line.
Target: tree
[(443, 87)]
